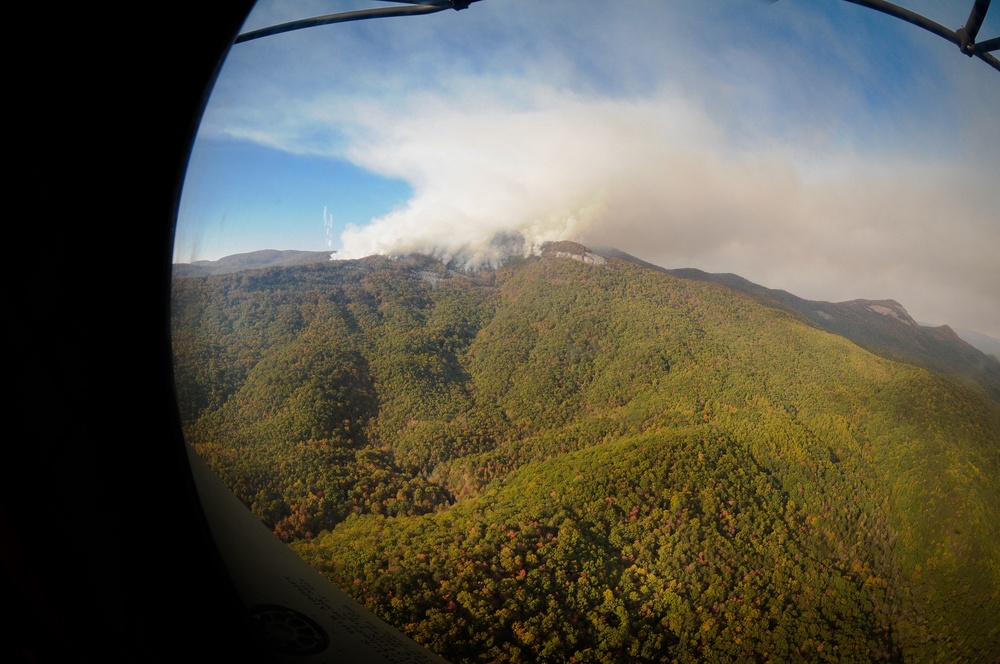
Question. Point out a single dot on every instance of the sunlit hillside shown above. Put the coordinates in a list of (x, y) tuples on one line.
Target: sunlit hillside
[(567, 460)]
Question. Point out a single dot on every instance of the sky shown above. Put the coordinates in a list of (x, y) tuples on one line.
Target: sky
[(813, 146)]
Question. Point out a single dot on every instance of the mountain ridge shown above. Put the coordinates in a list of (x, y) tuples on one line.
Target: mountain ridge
[(881, 326), (251, 260), (866, 322)]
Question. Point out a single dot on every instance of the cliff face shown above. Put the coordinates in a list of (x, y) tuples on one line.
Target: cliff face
[(573, 250)]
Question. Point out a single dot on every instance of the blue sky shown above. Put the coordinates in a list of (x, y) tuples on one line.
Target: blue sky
[(244, 196), (816, 146)]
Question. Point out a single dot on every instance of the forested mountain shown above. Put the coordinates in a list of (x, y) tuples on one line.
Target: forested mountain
[(577, 458), (881, 326)]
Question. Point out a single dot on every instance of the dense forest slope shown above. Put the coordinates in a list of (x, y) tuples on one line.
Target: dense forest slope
[(882, 326), (571, 459)]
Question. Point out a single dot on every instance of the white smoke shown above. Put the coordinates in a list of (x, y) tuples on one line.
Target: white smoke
[(788, 150), (491, 180), (662, 178)]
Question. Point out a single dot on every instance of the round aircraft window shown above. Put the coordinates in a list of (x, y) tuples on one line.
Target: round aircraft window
[(574, 331)]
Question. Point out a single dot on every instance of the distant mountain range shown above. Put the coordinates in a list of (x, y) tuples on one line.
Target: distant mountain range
[(249, 261), (984, 342)]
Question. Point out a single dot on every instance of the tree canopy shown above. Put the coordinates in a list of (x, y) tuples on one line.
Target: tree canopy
[(557, 461)]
